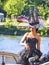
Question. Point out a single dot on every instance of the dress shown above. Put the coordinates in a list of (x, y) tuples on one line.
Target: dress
[(25, 54), (32, 44)]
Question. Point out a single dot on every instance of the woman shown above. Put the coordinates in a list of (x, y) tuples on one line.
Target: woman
[(31, 41)]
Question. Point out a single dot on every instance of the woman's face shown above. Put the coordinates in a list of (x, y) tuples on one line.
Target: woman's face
[(32, 29)]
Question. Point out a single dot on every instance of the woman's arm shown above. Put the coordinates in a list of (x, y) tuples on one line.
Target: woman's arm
[(24, 44), (23, 39), (38, 44)]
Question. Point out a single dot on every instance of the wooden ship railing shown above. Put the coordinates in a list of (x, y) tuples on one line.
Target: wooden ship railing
[(6, 55)]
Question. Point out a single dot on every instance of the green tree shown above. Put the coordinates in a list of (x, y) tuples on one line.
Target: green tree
[(0, 6), (42, 6), (14, 7)]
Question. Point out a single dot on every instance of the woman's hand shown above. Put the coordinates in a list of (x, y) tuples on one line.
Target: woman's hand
[(27, 47)]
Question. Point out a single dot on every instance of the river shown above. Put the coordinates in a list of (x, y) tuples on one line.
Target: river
[(12, 44)]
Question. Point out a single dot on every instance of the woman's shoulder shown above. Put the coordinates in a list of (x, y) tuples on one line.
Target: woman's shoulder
[(38, 37), (26, 34)]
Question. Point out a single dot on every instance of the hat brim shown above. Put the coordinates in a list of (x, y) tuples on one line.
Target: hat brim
[(28, 25)]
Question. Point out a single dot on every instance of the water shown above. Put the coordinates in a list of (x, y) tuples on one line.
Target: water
[(45, 45), (12, 44)]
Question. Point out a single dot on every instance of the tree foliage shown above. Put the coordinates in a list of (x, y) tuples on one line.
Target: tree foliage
[(17, 7), (0, 6), (42, 6), (14, 7)]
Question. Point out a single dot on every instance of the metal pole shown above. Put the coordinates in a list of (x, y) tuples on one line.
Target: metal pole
[(3, 63)]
